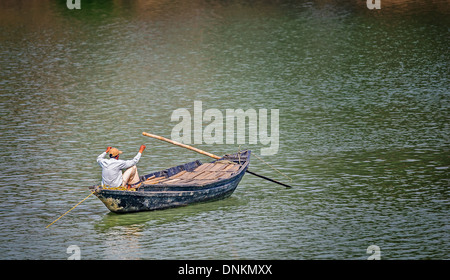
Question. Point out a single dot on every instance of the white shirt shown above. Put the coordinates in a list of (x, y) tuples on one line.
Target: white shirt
[(112, 169)]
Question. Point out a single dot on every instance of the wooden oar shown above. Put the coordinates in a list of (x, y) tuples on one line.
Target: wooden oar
[(206, 154), (268, 179)]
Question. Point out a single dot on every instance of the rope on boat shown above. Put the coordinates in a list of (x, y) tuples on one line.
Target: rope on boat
[(70, 210), (273, 168), (121, 188)]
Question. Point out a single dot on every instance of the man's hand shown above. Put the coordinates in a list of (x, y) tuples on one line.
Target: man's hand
[(142, 149), (107, 149)]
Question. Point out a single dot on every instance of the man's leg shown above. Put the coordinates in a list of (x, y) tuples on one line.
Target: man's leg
[(130, 176)]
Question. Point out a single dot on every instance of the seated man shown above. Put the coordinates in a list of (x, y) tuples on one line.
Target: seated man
[(112, 168)]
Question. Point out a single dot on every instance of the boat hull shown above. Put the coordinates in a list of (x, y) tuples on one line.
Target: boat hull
[(121, 202)]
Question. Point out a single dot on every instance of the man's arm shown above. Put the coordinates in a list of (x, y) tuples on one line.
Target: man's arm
[(128, 163), (102, 155)]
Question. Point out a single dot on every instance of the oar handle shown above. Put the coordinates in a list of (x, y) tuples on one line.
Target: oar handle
[(180, 144)]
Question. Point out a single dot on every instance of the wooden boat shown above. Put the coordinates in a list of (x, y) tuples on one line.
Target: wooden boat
[(181, 185)]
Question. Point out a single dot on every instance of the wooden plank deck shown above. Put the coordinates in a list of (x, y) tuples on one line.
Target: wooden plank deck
[(202, 174)]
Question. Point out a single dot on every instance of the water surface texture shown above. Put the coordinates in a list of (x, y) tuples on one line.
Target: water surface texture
[(363, 99)]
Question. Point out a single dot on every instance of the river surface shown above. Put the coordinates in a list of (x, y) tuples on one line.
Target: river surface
[(364, 112)]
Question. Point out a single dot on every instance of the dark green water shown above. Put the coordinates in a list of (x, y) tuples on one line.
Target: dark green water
[(363, 99)]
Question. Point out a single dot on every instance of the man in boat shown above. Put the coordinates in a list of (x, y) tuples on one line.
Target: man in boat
[(112, 168)]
